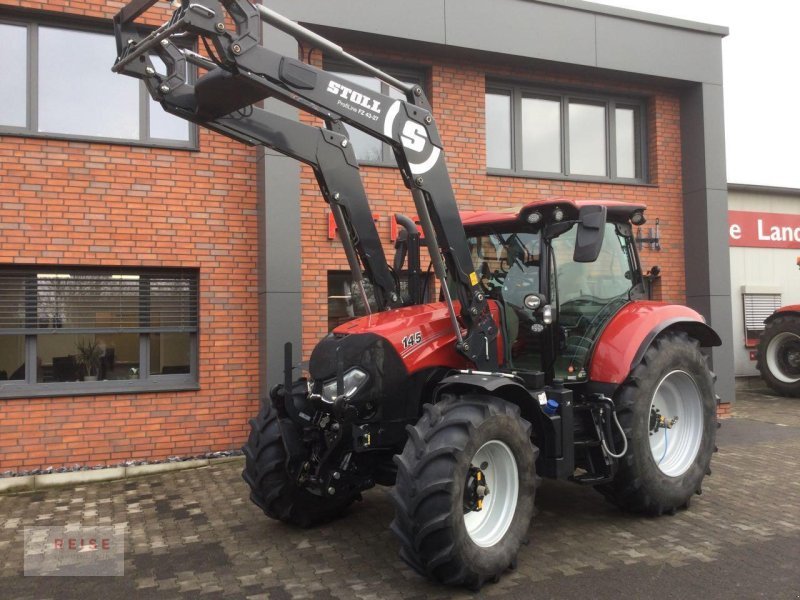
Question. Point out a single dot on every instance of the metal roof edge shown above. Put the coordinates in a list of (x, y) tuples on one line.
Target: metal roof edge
[(763, 189), (636, 15)]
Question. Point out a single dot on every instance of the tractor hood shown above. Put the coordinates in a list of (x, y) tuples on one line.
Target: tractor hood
[(390, 348), (421, 335)]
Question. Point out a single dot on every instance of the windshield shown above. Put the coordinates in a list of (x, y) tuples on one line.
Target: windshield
[(587, 295)]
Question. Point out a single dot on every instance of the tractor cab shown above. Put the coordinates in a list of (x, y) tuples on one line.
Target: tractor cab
[(560, 270)]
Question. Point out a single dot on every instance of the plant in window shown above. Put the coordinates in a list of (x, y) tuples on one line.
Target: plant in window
[(89, 357)]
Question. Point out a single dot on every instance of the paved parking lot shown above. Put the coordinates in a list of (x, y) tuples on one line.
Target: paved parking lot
[(194, 533)]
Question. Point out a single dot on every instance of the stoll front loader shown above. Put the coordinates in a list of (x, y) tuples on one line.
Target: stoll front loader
[(542, 357)]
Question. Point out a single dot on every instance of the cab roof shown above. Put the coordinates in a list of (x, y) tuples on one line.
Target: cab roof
[(617, 211)]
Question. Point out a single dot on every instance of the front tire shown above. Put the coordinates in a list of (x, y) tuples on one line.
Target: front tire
[(779, 355), (458, 444), (271, 488), (664, 466)]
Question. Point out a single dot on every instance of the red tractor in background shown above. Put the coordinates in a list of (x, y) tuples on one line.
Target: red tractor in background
[(542, 357), (779, 350)]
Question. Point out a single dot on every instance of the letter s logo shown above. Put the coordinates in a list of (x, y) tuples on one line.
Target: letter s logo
[(414, 136)]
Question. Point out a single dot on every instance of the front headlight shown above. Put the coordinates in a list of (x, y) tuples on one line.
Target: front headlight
[(353, 379)]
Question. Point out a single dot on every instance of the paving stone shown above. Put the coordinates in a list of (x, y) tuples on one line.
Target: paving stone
[(195, 533)]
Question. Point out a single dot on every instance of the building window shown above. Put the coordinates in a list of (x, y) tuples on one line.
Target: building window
[(370, 150), (68, 331), (564, 135), (58, 83), (757, 306)]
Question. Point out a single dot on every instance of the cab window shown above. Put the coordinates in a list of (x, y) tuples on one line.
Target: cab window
[(587, 295)]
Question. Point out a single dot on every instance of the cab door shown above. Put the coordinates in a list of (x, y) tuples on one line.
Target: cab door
[(585, 296)]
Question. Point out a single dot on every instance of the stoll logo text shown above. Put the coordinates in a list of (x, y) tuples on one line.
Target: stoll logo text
[(353, 96)]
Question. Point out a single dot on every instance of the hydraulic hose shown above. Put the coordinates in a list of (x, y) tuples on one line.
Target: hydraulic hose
[(624, 439), (610, 405)]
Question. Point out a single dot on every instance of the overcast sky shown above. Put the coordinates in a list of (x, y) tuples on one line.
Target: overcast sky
[(761, 62)]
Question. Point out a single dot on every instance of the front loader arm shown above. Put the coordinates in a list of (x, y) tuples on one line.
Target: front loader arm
[(336, 169), (328, 153), (253, 73)]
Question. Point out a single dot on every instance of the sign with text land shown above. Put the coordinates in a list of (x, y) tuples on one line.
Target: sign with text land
[(763, 230)]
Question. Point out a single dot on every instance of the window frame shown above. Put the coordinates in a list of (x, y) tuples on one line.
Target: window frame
[(32, 92), (610, 102), (417, 75), (29, 387)]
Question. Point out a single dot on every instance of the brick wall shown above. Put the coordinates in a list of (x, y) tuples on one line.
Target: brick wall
[(84, 203)]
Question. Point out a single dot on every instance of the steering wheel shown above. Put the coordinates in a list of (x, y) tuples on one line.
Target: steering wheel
[(491, 280)]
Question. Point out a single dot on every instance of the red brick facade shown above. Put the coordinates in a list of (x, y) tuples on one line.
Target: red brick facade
[(85, 203)]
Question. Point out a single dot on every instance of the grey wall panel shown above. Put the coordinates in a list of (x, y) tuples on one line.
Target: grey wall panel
[(285, 325), (575, 33), (421, 20), (523, 29), (705, 190), (636, 15), (714, 131), (717, 240), (705, 230), (722, 360), (693, 147), (705, 211), (703, 134), (658, 50), (282, 224), (280, 316), (695, 243)]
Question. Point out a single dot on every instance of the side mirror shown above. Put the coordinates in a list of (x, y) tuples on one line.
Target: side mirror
[(591, 229)]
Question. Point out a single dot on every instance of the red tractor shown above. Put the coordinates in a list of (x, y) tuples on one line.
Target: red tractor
[(542, 357), (779, 350)]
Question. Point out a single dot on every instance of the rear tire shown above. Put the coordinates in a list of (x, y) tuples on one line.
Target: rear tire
[(779, 355), (658, 474), (271, 489), (439, 537)]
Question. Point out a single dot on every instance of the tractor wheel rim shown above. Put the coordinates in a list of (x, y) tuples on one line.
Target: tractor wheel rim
[(783, 357), (674, 450), (487, 526)]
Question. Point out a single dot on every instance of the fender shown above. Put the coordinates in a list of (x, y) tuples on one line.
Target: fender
[(555, 434), (495, 385), (791, 309), (630, 332)]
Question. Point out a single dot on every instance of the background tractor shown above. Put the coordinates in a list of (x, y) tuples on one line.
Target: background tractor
[(779, 350), (541, 358)]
